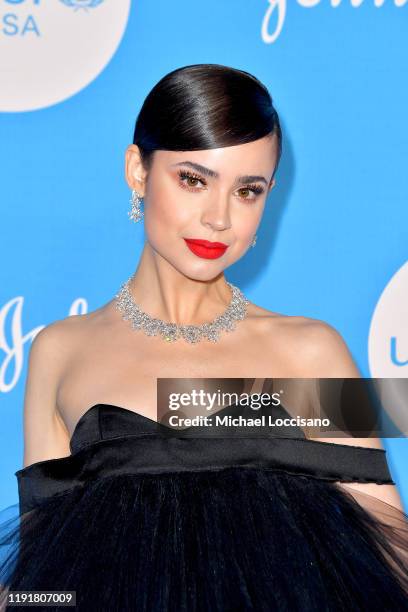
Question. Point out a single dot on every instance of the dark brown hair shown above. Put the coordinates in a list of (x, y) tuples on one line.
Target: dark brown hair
[(205, 106)]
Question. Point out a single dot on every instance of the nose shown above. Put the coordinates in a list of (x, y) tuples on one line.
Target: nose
[(216, 214)]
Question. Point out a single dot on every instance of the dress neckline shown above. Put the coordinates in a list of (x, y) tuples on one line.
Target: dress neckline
[(153, 423), (106, 429), (83, 417)]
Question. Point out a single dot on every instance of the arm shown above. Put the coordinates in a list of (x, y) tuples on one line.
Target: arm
[(328, 357), (45, 435)]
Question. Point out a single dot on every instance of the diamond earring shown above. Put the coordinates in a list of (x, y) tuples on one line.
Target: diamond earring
[(136, 214), (253, 243)]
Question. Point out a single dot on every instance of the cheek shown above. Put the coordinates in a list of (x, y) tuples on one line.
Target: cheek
[(245, 225), (165, 210)]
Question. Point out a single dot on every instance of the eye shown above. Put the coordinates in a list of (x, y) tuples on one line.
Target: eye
[(245, 192), (190, 180)]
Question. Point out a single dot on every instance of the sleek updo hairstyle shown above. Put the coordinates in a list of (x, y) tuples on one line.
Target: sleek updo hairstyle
[(205, 106)]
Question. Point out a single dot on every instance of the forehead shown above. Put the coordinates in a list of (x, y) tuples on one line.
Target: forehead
[(258, 156)]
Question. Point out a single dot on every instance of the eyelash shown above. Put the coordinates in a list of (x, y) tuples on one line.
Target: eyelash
[(183, 174)]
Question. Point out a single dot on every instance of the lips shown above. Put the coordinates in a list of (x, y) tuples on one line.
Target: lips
[(205, 248)]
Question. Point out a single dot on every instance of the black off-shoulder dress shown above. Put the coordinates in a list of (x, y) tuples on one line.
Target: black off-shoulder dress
[(139, 520)]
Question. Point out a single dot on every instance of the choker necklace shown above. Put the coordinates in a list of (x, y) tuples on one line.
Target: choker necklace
[(170, 332)]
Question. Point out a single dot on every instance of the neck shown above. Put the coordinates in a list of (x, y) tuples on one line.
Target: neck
[(163, 292)]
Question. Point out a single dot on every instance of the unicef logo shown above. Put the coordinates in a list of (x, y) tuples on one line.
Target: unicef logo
[(388, 336), (388, 349), (49, 53), (85, 4)]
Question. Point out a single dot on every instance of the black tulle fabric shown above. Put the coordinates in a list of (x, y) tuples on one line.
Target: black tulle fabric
[(134, 520)]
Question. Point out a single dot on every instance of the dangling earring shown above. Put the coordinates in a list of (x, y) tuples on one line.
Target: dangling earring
[(136, 214), (253, 243)]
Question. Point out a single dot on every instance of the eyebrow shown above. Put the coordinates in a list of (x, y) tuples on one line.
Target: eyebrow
[(247, 178)]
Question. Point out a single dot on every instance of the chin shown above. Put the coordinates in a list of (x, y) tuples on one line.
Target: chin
[(200, 269), (202, 273)]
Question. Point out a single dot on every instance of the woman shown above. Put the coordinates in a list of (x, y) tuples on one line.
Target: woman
[(132, 518)]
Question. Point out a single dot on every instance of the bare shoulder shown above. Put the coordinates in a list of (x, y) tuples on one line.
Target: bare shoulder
[(49, 348), (316, 345), (323, 353), (324, 349), (52, 343), (54, 335), (56, 342), (45, 434)]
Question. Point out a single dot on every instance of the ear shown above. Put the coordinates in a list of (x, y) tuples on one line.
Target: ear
[(135, 173)]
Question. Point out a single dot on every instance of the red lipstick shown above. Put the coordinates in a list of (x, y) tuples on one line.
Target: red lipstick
[(205, 248)]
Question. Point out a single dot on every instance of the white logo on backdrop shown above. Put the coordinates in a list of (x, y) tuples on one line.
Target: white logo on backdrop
[(388, 335), (50, 50), (84, 4), (13, 340), (276, 13), (388, 348)]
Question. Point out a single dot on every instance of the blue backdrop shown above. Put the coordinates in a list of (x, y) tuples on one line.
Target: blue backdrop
[(333, 240)]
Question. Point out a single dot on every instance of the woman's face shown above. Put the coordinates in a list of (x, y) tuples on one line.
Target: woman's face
[(215, 195)]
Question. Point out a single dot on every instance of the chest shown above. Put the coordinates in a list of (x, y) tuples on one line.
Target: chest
[(123, 372)]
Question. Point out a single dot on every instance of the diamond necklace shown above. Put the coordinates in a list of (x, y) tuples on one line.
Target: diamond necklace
[(236, 310)]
